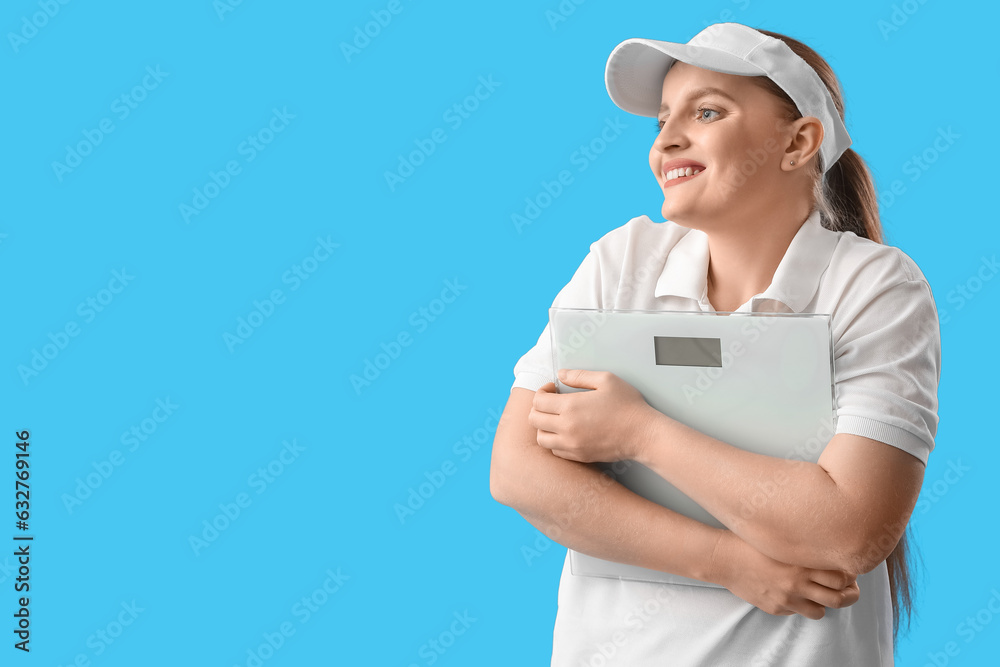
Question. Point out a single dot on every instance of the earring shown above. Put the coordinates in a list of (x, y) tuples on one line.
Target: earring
[(791, 162)]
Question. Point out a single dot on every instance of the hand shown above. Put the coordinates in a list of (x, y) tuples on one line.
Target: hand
[(776, 587), (611, 423)]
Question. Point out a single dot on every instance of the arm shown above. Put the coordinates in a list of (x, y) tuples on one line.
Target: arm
[(583, 509), (847, 511), (850, 508)]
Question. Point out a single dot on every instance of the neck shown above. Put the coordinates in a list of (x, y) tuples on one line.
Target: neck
[(743, 258)]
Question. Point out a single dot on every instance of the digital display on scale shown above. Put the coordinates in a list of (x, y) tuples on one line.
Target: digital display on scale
[(685, 351)]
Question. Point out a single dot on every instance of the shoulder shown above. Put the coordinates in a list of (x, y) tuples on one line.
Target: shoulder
[(862, 267), (887, 345), (880, 299), (633, 255)]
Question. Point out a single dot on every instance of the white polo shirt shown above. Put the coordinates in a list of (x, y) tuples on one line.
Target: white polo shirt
[(887, 365)]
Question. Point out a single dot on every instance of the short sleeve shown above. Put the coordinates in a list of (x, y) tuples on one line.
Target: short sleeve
[(583, 290), (887, 367)]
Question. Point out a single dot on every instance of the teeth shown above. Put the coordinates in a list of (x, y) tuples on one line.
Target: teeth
[(678, 173)]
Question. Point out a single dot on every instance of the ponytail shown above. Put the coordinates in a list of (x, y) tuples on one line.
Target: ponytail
[(848, 202), (847, 199)]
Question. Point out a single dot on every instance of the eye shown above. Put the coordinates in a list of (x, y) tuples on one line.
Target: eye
[(700, 117), (702, 111)]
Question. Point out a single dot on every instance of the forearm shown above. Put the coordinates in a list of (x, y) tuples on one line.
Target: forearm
[(790, 510), (585, 510)]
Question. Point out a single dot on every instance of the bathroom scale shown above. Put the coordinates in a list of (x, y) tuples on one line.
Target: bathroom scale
[(763, 382)]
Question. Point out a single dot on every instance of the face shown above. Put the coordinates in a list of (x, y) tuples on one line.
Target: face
[(718, 152)]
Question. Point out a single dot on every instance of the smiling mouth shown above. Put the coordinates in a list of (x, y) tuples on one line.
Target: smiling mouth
[(675, 176)]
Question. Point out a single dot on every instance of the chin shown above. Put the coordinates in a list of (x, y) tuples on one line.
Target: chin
[(679, 214), (670, 212)]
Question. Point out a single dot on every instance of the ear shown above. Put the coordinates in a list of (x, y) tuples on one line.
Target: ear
[(805, 136)]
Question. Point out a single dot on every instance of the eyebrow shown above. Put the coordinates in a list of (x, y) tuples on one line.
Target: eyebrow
[(701, 92)]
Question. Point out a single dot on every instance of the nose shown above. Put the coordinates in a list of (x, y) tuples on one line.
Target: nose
[(671, 134)]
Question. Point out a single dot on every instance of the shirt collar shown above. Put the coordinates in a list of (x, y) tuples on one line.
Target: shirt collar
[(793, 286)]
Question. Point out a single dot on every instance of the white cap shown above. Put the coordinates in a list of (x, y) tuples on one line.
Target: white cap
[(636, 67)]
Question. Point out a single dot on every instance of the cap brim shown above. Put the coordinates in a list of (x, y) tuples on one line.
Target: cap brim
[(635, 70)]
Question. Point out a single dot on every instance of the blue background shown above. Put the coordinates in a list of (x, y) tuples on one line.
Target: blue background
[(125, 537)]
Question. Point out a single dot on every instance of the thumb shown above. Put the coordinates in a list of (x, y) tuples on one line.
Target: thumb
[(575, 377)]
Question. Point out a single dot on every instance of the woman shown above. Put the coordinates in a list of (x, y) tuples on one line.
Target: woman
[(767, 210)]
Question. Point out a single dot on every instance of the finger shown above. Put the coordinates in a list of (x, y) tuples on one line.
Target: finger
[(549, 387), (777, 610), (809, 609), (544, 421), (851, 595), (835, 579), (566, 454), (834, 599), (796, 603), (575, 377), (556, 444), (550, 402), (547, 439)]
